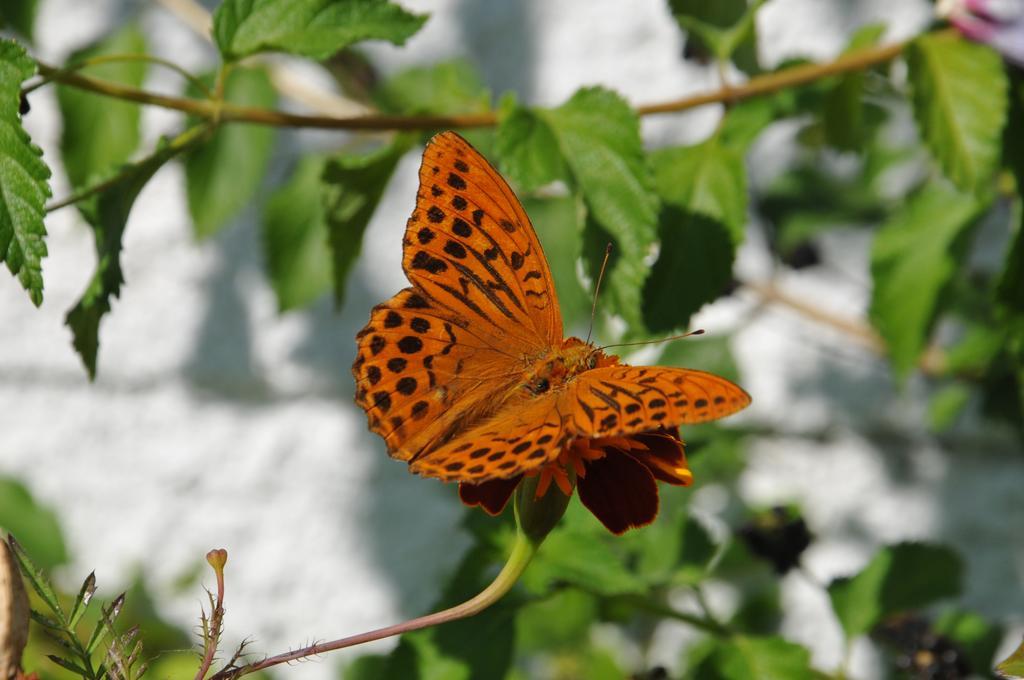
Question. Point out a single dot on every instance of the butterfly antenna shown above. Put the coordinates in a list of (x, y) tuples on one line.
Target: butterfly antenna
[(597, 289), (699, 331)]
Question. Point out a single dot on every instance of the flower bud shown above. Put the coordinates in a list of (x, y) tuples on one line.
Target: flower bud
[(536, 517)]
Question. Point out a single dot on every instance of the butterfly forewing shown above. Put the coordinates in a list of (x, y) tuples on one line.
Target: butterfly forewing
[(470, 247), (625, 399)]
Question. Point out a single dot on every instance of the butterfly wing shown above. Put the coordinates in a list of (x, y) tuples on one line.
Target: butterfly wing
[(471, 248), (522, 437), (432, 359), (414, 366), (623, 399), (611, 401)]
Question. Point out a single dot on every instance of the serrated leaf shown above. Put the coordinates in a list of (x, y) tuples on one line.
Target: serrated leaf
[(23, 178), (599, 137), (100, 133), (913, 257), (20, 15), (36, 524), (528, 149), (107, 213), (843, 106), (450, 87), (310, 28), (35, 577), (1012, 666), (707, 179), (295, 237), (899, 578), (223, 174), (744, 657), (352, 187), (959, 97)]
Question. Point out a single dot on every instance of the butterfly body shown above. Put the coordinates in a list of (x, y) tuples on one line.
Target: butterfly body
[(466, 373)]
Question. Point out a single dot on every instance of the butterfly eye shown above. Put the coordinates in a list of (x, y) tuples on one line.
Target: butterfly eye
[(592, 361), (540, 385)]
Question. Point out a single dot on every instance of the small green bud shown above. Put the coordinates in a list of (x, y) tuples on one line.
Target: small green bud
[(536, 517)]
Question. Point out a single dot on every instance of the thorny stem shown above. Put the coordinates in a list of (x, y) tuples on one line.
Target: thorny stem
[(522, 552), (217, 559), (760, 85)]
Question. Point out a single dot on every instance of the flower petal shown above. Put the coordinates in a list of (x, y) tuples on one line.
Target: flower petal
[(664, 456), (620, 491), (492, 495)]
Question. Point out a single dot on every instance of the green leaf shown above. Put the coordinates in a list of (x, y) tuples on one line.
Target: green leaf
[(1013, 665), (100, 133), (295, 237), (23, 178), (528, 149), (580, 558), (899, 578), (978, 638), (913, 257), (1010, 290), (701, 222), (559, 622), (959, 97), (694, 267), (35, 526), (558, 225), (598, 134), (724, 28), (708, 179), (108, 214), (946, 405), (766, 658), (843, 110), (310, 28), (20, 15), (352, 188), (451, 87), (223, 174), (35, 577)]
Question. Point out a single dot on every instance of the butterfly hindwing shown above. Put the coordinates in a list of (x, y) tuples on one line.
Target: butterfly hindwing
[(523, 436), (470, 246), (623, 399)]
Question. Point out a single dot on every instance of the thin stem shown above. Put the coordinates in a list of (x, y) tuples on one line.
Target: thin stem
[(760, 85), (522, 552), (179, 144), (120, 58), (859, 331), (704, 623)]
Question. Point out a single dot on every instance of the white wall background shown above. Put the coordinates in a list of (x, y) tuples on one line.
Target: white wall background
[(216, 422)]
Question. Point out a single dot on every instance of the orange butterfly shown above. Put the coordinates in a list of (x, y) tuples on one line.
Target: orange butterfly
[(466, 375)]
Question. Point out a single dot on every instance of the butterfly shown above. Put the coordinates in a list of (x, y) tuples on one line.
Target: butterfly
[(466, 373)]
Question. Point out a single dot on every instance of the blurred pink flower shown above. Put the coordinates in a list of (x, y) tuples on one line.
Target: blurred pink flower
[(998, 23)]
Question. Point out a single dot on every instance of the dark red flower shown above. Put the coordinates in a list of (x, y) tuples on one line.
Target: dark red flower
[(616, 477)]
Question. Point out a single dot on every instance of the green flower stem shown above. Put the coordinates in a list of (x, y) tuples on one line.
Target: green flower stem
[(706, 624), (760, 85), (522, 552), (179, 144)]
